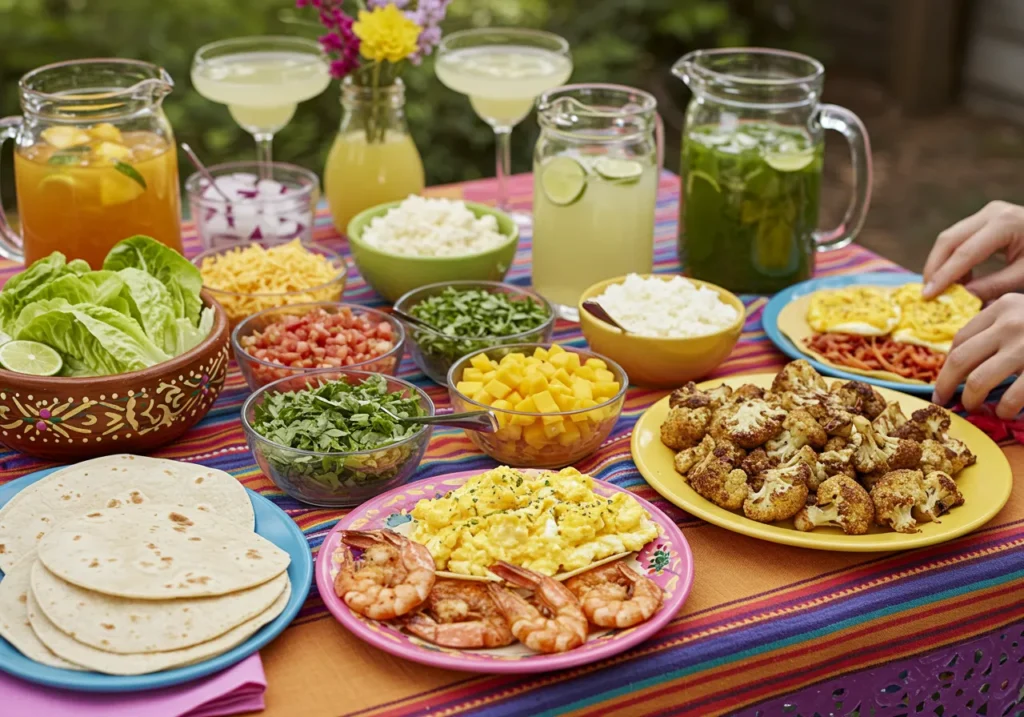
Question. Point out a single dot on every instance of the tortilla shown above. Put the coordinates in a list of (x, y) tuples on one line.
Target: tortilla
[(792, 322), (14, 624), (111, 481), (111, 663), (127, 626), (159, 552)]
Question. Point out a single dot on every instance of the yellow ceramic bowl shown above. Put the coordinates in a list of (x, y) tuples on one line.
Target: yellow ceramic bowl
[(661, 362)]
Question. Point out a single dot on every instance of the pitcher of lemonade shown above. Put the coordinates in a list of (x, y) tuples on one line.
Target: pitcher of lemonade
[(595, 186), (94, 161), (751, 168)]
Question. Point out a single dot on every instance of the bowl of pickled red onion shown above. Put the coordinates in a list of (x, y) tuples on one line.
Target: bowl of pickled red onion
[(295, 339)]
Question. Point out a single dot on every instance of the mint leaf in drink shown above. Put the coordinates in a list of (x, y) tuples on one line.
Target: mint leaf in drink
[(130, 172)]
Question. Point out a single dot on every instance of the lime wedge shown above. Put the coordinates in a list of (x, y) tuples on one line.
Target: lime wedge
[(789, 161), (30, 357), (622, 170), (563, 180)]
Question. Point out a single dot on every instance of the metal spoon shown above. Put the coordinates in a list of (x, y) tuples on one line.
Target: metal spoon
[(596, 310), (480, 421), (201, 168)]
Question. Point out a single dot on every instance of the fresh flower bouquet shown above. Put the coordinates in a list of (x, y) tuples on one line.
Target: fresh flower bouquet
[(374, 47)]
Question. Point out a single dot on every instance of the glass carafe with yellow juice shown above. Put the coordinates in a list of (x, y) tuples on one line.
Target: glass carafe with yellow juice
[(373, 159), (94, 161), (595, 174)]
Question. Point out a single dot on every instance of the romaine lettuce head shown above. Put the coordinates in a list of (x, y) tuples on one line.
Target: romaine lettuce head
[(178, 274), (19, 288)]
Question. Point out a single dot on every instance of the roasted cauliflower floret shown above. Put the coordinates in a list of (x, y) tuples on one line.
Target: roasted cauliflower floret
[(729, 451), (941, 494), (757, 462), (962, 456), (868, 480), (685, 427), (895, 496), (798, 377), (748, 424), (689, 396), (890, 420), (858, 397), (719, 396), (688, 458), (799, 429), (929, 422), (744, 393), (783, 493), (806, 456), (841, 502), (874, 451), (715, 478), (936, 457), (837, 457)]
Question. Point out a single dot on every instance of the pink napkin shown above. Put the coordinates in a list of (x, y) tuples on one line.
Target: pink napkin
[(236, 689)]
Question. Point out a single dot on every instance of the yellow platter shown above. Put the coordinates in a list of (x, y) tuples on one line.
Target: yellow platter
[(985, 486)]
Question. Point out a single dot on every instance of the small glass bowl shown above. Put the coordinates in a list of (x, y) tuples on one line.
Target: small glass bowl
[(434, 352), (520, 441), (259, 372), (239, 305), (335, 479)]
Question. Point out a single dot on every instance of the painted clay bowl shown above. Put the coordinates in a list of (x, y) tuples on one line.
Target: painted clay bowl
[(70, 419)]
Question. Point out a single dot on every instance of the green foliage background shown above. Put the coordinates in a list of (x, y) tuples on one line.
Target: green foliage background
[(631, 42)]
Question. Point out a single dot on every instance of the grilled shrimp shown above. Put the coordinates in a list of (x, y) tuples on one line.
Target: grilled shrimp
[(554, 624), (614, 595), (460, 613), (393, 577)]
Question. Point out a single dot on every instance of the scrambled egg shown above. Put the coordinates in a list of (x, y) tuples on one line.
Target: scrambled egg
[(544, 521), (860, 310), (933, 323)]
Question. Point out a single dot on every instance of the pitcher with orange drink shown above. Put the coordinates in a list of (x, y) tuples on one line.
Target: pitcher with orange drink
[(94, 161)]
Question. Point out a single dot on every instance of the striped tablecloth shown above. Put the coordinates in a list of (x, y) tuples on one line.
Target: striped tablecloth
[(762, 620)]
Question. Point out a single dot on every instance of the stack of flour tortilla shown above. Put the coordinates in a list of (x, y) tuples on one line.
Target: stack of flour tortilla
[(128, 565)]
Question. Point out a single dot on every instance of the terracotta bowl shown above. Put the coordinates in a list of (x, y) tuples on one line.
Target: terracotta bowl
[(70, 419)]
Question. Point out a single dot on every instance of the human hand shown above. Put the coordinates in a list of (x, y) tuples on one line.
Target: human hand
[(999, 226), (989, 349)]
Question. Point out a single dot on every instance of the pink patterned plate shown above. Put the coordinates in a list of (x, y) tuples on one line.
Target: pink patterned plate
[(667, 561)]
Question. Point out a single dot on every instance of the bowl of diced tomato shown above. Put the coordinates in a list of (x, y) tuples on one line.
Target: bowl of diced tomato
[(291, 340)]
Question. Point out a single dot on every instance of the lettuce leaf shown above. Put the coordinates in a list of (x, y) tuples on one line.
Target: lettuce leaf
[(178, 274), (18, 290), (151, 305)]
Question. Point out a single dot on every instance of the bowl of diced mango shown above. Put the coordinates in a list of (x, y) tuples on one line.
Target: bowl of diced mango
[(554, 404)]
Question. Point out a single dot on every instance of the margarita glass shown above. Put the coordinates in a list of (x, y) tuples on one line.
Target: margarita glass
[(503, 70), (261, 79)]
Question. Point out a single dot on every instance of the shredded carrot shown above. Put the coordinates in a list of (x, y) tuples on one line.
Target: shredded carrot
[(879, 353)]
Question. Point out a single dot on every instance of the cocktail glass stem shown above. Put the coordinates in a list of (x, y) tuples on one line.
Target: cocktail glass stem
[(264, 152), (503, 146)]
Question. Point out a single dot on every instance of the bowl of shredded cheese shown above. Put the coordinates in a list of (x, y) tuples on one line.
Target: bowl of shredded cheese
[(401, 246), (252, 276)]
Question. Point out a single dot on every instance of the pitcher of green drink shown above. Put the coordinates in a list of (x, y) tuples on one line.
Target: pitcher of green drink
[(752, 156)]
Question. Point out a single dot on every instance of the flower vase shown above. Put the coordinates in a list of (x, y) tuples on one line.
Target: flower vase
[(373, 159)]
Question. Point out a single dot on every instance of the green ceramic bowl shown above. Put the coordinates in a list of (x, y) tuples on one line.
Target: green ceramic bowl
[(392, 275)]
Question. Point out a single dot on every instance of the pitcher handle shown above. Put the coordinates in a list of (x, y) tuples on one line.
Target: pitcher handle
[(846, 122), (10, 242), (659, 141)]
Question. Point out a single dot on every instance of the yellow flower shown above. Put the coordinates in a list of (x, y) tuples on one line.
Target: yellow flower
[(385, 34)]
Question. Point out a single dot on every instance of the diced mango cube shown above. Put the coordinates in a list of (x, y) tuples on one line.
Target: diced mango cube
[(586, 432), (63, 137), (583, 417), (547, 369), (586, 373), (514, 397), (472, 374), (107, 131), (561, 359), (554, 429), (500, 407), (596, 363), (596, 414), (482, 396), (582, 389), (532, 360), (555, 350), (535, 382), (572, 362), (539, 353), (548, 419), (557, 389), (512, 359), (488, 375), (534, 435), (527, 405), (566, 402), (113, 151), (509, 376), (562, 376), (605, 389), (523, 420), (511, 432), (481, 362), (468, 388), (603, 374), (571, 434), (497, 389), (545, 402)]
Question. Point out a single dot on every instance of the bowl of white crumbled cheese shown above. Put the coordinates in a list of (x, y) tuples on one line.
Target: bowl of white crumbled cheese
[(676, 329), (401, 246)]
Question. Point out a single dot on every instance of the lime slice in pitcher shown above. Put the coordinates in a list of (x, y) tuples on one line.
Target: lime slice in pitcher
[(563, 180), (621, 170), (789, 161), (30, 357)]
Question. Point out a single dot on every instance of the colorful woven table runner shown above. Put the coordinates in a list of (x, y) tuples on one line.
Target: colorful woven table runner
[(763, 620)]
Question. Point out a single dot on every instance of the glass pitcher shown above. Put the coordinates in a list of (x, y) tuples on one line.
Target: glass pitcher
[(94, 160), (751, 168), (595, 169)]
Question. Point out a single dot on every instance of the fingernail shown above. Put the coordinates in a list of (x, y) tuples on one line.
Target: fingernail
[(928, 288), (936, 398)]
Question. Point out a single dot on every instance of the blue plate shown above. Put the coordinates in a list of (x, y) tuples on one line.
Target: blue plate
[(770, 321), (271, 522)]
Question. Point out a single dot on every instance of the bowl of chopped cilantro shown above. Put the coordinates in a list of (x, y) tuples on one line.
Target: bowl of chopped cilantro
[(460, 317), (336, 437)]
